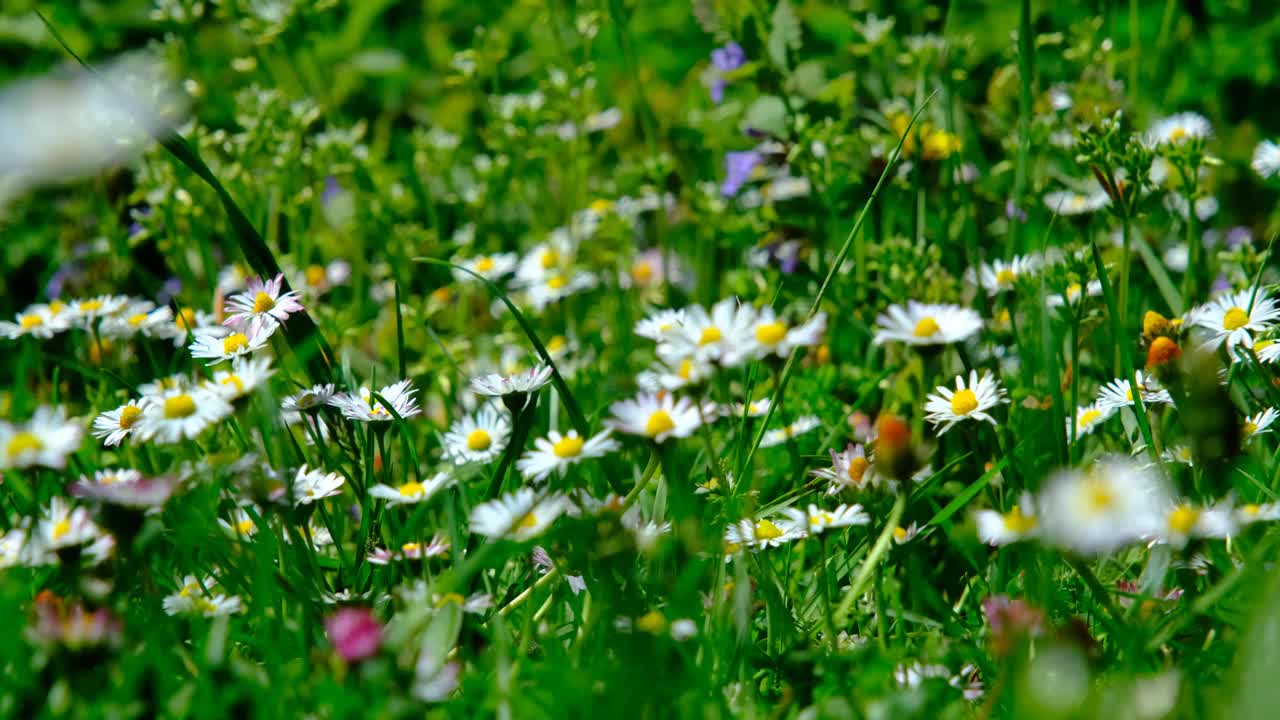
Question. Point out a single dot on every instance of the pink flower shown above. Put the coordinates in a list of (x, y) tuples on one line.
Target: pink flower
[(354, 632), (262, 306)]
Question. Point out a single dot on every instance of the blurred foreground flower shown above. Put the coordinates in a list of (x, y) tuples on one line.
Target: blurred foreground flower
[(356, 635)]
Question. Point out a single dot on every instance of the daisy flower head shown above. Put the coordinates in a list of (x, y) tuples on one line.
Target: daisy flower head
[(554, 288), (1266, 159), (262, 306), (215, 348), (241, 524), (63, 526), (39, 321), (312, 485), (1180, 128), (1119, 393), (363, 407), (771, 336), (195, 597), (478, 437), (651, 269), (1180, 454), (489, 267), (89, 310), (514, 385), (721, 335), (1250, 513), (1089, 417), (762, 533), (133, 319), (1258, 424), (556, 452), (661, 325), (308, 399), (1094, 512), (998, 276), (755, 408), (799, 426), (125, 487), (413, 491), (969, 401), (190, 321), (922, 324), (45, 440), (159, 385), (655, 416), (815, 520), (850, 469), (1184, 520), (113, 426), (1233, 318), (1019, 523), (245, 376), (519, 516), (181, 414), (680, 373), (1073, 293)]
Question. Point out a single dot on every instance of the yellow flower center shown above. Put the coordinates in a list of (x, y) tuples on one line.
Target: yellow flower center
[(549, 259), (567, 447), (62, 528), (1005, 277), (28, 322), (129, 415), (600, 206), (234, 380), (484, 264), (411, 489), (22, 443), (821, 519), (642, 272), (479, 439), (964, 402), (659, 422), (926, 327), (89, 305), (1183, 519), (1098, 497), (188, 589), (557, 282), (234, 343), (900, 533), (1250, 427), (1177, 134), (1073, 291), (205, 606), (1251, 509), (1128, 393), (179, 406), (245, 527), (186, 320), (857, 469), (651, 622), (56, 307), (316, 275), (1017, 522), (137, 319), (709, 335), (771, 333), (1262, 345), (528, 522), (1089, 417), (686, 369), (731, 548), (410, 547), (262, 302), (1235, 318), (766, 530), (447, 598), (556, 343)]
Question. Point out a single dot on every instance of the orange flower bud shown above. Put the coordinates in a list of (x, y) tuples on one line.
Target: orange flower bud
[(1162, 351)]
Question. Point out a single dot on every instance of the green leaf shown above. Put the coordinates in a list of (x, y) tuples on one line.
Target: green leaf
[(784, 34)]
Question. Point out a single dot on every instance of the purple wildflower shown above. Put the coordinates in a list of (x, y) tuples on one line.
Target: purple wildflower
[(738, 167), (724, 59)]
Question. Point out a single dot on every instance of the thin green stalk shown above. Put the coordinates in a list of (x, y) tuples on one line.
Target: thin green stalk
[(871, 564)]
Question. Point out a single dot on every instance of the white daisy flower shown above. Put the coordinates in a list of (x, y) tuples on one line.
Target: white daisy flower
[(1089, 417), (312, 485), (87, 311), (1113, 504), (189, 321), (1180, 454), (180, 414), (557, 287), (761, 533), (946, 407), (14, 548), (661, 376), (921, 324), (312, 398), (169, 382), (996, 528), (125, 487), (1229, 318), (63, 525), (800, 426), (769, 335), (655, 416), (999, 275), (1119, 393), (494, 385), (1073, 293), (39, 321), (546, 259), (215, 349), (245, 376), (1266, 159), (45, 440), (193, 599), (1250, 513), (479, 437), (519, 516), (363, 407), (489, 267), (661, 325), (140, 317), (1258, 424), (1180, 128), (241, 524), (556, 452), (413, 491), (1072, 202), (113, 426), (435, 547), (903, 535), (814, 520), (1183, 521), (850, 469), (651, 269), (719, 336), (261, 307)]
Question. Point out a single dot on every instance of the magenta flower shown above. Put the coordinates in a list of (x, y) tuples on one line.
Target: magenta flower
[(355, 634)]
